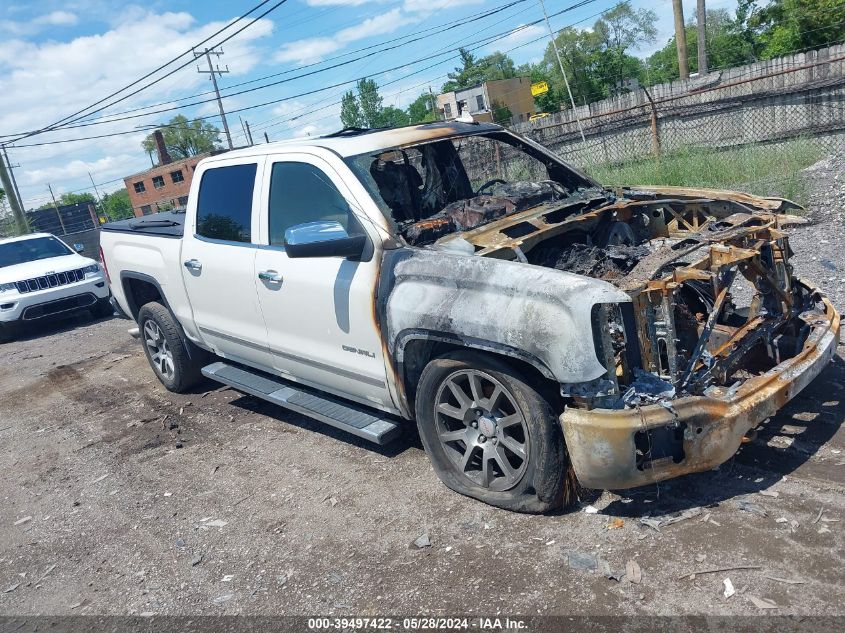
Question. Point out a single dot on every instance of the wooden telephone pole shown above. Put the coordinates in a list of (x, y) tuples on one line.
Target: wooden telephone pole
[(213, 72), (701, 19), (680, 38), (12, 194)]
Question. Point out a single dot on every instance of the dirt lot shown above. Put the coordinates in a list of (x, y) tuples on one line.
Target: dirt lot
[(121, 498)]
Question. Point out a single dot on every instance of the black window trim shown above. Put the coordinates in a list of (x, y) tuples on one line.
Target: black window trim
[(259, 162)]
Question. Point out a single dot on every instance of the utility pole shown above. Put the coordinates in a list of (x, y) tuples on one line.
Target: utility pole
[(212, 72), (562, 71), (701, 19), (680, 38), (56, 207), (433, 103), (266, 138), (248, 133), (11, 194), (99, 200), (12, 176)]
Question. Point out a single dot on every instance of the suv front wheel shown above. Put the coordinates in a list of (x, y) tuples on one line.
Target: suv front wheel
[(490, 435)]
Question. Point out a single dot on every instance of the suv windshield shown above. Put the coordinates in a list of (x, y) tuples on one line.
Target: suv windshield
[(429, 190), (37, 248)]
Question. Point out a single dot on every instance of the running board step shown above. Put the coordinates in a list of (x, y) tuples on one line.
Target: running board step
[(333, 411)]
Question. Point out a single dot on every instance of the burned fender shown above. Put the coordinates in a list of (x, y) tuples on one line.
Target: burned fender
[(540, 313)]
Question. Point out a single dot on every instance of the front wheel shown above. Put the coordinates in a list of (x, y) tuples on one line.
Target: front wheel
[(176, 362), (491, 436)]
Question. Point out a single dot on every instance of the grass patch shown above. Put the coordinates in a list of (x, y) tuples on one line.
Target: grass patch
[(765, 170)]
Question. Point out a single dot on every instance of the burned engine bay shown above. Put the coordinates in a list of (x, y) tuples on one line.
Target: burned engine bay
[(714, 300)]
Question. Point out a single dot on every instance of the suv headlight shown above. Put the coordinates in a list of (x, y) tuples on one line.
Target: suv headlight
[(92, 269), (7, 287)]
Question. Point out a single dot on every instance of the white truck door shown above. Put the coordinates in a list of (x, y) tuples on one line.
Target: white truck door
[(319, 310), (218, 260)]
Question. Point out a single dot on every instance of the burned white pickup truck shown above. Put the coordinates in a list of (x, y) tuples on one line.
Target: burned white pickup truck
[(542, 330)]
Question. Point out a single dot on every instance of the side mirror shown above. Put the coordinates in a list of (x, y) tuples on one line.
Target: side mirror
[(79, 248), (322, 239)]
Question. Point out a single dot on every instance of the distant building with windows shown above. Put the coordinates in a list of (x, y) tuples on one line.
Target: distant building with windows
[(481, 100), (165, 186)]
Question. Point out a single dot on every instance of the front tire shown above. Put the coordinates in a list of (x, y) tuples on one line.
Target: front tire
[(491, 436), (176, 362), (102, 309), (7, 333)]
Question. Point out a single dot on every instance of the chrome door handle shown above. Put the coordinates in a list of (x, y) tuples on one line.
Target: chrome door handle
[(270, 276), (194, 265)]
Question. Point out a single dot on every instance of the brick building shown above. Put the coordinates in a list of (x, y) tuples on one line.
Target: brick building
[(164, 186)]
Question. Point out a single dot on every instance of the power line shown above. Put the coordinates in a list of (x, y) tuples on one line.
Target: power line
[(483, 41), (115, 119), (439, 30), (71, 119)]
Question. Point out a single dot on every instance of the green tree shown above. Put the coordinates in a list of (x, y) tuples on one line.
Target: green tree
[(116, 205), (420, 110), (785, 26), (69, 198), (729, 43), (365, 108), (474, 71), (350, 113), (579, 51), (392, 117), (184, 138), (619, 30), (369, 100)]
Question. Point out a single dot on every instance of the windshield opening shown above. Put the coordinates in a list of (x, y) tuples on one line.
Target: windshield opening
[(431, 189), (13, 253)]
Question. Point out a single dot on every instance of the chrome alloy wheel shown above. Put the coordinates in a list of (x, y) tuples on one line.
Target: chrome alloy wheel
[(481, 429), (160, 354)]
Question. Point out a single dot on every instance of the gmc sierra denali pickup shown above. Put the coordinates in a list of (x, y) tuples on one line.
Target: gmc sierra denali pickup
[(542, 330)]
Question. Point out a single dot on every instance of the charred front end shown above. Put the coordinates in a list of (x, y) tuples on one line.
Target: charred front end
[(717, 336)]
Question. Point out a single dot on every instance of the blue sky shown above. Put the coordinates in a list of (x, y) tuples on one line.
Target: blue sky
[(57, 57)]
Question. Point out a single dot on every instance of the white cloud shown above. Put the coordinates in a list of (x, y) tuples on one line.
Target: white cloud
[(520, 35), (45, 81), (429, 6), (313, 49), (58, 18), (30, 27), (338, 3)]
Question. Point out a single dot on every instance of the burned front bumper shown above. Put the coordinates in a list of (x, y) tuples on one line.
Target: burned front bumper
[(624, 448)]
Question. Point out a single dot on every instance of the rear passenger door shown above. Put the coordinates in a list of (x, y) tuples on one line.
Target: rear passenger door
[(218, 261), (319, 310)]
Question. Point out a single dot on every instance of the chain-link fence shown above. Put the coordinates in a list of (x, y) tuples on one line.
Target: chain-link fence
[(798, 96)]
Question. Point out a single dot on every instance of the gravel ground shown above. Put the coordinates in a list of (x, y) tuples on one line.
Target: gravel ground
[(122, 498)]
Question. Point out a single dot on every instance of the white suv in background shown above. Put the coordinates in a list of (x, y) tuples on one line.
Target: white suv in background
[(42, 277)]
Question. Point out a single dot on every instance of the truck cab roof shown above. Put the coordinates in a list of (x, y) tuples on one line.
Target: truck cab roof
[(353, 141)]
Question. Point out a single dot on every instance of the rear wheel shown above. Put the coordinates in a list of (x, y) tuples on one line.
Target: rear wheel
[(176, 361), (490, 435)]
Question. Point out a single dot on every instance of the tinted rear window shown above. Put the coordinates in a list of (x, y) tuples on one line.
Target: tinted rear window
[(224, 208)]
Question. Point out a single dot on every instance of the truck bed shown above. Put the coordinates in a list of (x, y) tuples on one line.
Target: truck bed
[(167, 224)]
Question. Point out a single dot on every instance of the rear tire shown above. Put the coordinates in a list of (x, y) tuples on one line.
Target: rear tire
[(176, 361), (517, 457)]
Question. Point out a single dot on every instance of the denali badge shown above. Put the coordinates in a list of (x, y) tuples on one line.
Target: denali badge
[(355, 350)]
